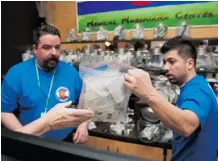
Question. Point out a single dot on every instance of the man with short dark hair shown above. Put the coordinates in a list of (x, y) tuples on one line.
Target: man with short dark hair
[(45, 89), (194, 119)]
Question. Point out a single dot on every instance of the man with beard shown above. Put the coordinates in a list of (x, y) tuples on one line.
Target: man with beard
[(43, 89), (194, 119)]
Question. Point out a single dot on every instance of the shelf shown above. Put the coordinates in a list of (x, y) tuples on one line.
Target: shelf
[(82, 42), (212, 81), (103, 41), (154, 71), (205, 72), (196, 42), (200, 72)]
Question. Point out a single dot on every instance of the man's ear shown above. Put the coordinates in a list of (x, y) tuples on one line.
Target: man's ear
[(34, 48), (191, 64)]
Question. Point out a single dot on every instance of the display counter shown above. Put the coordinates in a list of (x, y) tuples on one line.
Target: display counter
[(22, 147), (102, 138)]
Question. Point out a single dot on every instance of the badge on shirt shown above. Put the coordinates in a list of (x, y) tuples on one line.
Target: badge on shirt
[(62, 94)]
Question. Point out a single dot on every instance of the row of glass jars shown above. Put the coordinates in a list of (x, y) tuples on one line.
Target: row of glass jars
[(152, 60)]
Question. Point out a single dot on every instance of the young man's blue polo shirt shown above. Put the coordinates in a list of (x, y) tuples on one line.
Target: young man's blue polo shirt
[(197, 96)]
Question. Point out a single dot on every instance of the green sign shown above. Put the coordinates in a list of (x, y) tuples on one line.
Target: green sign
[(197, 14)]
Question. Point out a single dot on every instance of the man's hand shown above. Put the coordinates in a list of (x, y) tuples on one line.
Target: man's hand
[(139, 82), (60, 116), (81, 134)]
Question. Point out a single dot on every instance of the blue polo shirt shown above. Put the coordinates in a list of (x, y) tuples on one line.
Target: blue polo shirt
[(20, 90), (197, 96)]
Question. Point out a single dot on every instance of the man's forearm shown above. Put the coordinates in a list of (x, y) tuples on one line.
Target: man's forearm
[(172, 117), (10, 121), (37, 127), (84, 124)]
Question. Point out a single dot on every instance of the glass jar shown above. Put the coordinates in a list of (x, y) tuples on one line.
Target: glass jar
[(156, 61), (159, 84), (204, 61)]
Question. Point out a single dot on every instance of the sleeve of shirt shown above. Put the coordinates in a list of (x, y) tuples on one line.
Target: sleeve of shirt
[(199, 103), (10, 91)]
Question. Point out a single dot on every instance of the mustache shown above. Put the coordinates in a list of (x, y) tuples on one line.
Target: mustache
[(55, 58)]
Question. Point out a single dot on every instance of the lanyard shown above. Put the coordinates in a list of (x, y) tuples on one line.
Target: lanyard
[(50, 88)]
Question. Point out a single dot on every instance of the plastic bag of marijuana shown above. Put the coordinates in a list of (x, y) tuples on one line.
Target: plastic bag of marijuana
[(103, 90)]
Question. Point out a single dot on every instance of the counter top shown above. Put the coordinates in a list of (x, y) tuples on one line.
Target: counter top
[(102, 130)]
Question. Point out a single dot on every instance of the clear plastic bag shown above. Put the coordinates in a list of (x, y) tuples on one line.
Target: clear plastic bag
[(103, 90), (153, 132)]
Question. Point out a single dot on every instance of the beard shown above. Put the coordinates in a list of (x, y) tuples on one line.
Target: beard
[(172, 79), (50, 63)]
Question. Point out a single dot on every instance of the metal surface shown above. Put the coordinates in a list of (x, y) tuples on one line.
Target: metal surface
[(148, 115)]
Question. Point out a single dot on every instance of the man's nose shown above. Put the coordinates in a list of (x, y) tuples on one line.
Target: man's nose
[(53, 51), (166, 67)]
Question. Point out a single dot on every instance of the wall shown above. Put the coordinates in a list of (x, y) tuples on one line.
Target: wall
[(18, 22), (63, 16)]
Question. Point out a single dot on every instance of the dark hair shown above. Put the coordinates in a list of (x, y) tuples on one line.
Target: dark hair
[(44, 30), (138, 45), (183, 46)]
